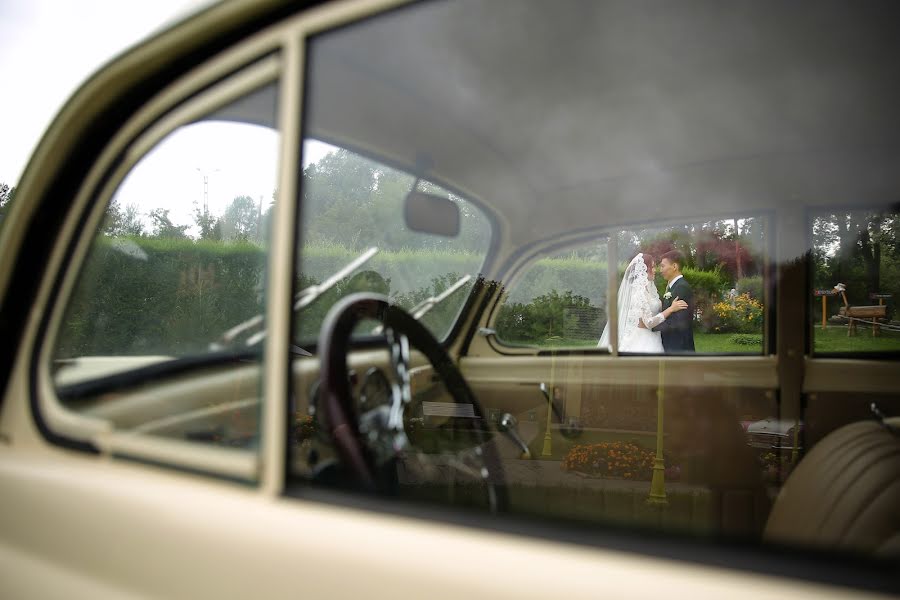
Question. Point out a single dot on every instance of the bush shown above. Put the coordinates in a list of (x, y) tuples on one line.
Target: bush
[(165, 296), (707, 287), (552, 314), (139, 296), (745, 315), (751, 285), (707, 284), (747, 339), (582, 277)]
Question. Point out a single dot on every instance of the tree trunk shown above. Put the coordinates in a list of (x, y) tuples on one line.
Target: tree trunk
[(871, 255)]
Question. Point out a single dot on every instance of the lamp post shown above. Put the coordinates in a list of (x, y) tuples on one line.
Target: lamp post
[(205, 174), (657, 495), (549, 393)]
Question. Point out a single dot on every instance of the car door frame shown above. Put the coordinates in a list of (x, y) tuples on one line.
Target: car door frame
[(158, 530)]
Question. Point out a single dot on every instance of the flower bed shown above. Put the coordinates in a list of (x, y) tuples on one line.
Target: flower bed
[(744, 315), (620, 460)]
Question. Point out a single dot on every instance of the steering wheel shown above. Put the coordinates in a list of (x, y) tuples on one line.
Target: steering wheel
[(372, 442)]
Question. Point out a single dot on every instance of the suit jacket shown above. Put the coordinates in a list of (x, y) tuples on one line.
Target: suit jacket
[(677, 333)]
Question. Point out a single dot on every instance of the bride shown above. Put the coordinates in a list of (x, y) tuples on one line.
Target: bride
[(639, 304)]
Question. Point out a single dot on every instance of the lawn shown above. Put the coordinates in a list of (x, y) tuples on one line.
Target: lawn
[(833, 339), (715, 343), (721, 343)]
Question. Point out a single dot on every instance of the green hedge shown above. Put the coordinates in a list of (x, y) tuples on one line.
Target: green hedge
[(146, 296), (582, 277)]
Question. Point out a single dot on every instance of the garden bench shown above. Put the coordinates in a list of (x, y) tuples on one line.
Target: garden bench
[(868, 313)]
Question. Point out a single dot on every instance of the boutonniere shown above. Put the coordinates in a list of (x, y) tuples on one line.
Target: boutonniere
[(668, 296)]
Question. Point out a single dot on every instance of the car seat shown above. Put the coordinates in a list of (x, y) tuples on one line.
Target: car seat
[(845, 493)]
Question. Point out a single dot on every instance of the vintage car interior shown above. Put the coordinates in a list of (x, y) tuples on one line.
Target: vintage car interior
[(397, 316)]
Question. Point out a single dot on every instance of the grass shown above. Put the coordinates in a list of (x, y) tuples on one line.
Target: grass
[(834, 339), (721, 343), (714, 343)]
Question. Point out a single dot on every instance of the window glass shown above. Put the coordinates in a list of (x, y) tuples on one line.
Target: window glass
[(178, 263), (353, 208), (558, 302), (856, 281), (723, 274), (669, 137)]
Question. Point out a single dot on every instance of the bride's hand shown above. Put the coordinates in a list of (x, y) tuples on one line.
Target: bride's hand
[(678, 305)]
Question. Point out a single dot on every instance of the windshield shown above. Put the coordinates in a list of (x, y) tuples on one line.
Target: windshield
[(351, 203)]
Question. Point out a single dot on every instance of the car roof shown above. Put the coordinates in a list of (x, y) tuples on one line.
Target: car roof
[(579, 113)]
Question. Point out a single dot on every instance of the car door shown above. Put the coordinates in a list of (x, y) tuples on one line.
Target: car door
[(157, 381)]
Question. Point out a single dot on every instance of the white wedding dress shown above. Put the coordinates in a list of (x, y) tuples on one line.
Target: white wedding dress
[(638, 300)]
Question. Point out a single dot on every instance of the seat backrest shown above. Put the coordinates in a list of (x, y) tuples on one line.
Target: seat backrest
[(844, 494)]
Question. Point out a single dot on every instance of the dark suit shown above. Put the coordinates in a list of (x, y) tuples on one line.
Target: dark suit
[(676, 330)]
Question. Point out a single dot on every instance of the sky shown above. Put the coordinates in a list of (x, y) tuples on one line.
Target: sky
[(48, 48)]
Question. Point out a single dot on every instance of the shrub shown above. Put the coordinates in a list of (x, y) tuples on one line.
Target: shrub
[(745, 315), (583, 277), (750, 285), (747, 339), (144, 296), (705, 283), (551, 314), (707, 287), (140, 295)]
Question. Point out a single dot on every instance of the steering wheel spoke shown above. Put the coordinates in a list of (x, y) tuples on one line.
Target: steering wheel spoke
[(400, 387), (380, 441)]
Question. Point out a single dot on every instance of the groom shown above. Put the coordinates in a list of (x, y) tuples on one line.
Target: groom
[(677, 334)]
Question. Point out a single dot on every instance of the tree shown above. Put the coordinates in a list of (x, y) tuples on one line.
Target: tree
[(122, 222), (852, 247), (163, 226), (132, 224), (209, 225), (240, 220)]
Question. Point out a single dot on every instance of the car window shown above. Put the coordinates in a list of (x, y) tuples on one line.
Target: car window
[(628, 160), (353, 208), (587, 440), (560, 300), (856, 281), (178, 263)]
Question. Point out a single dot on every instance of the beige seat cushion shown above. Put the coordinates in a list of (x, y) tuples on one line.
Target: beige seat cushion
[(844, 494)]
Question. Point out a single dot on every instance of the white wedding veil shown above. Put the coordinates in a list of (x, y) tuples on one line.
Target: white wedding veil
[(633, 282)]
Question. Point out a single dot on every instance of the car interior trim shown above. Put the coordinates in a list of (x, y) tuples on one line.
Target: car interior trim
[(802, 563)]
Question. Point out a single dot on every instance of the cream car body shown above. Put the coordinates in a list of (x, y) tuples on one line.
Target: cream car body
[(112, 502)]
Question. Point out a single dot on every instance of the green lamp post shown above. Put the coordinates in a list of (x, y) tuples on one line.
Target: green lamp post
[(548, 393), (657, 495)]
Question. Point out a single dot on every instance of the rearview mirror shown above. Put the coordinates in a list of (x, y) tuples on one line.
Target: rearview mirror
[(432, 214)]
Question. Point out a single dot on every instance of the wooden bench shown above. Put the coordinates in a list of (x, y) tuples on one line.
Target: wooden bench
[(869, 313)]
